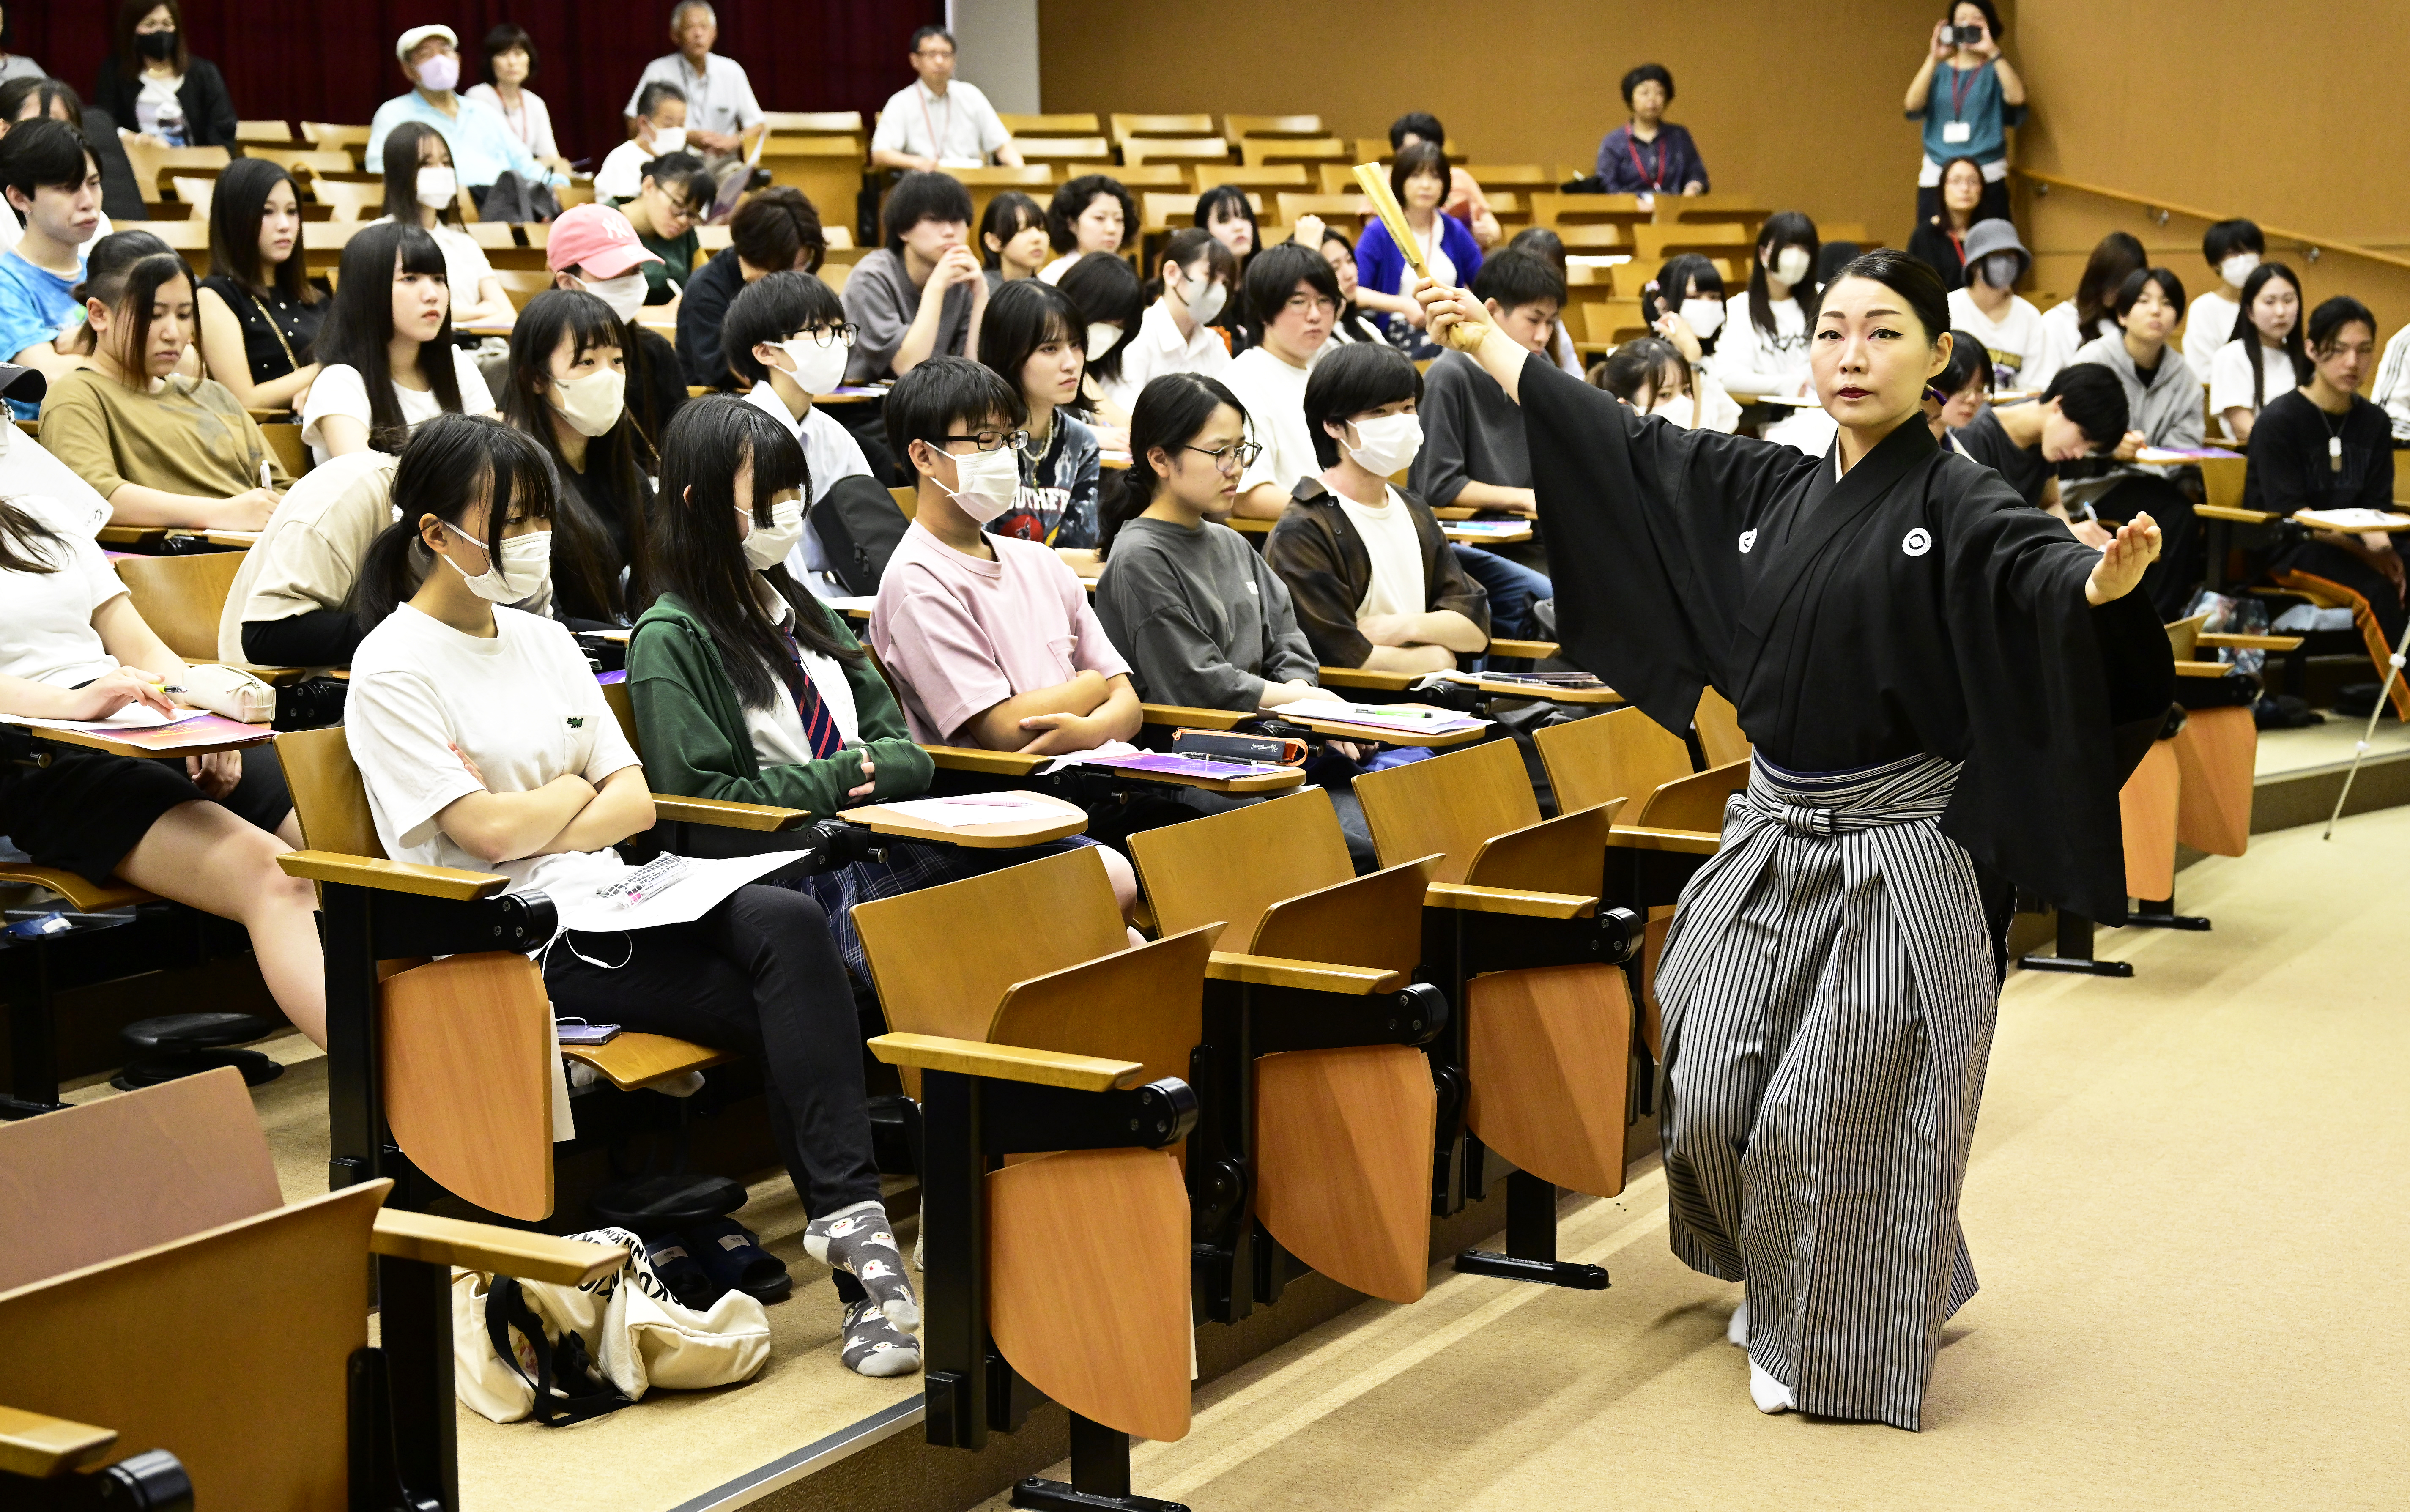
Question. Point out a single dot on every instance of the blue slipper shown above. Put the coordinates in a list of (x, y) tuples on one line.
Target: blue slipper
[(734, 1259)]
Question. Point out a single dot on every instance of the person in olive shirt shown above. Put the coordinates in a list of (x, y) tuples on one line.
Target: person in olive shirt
[(675, 194)]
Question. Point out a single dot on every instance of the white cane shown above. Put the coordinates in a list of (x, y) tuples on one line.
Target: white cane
[(2392, 676)]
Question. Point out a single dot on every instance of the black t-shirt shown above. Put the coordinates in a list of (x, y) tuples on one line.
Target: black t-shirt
[(2292, 466), (2021, 468)]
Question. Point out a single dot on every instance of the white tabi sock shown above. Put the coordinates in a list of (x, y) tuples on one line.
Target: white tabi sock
[(1737, 1331), (1770, 1394)]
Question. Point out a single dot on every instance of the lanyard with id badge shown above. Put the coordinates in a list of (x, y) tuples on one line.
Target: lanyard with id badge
[(1957, 131)]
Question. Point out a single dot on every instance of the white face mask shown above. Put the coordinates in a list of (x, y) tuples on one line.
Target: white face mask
[(766, 545), (591, 404), (1102, 339), (1703, 316), (1387, 444), (517, 573), (2238, 268), (670, 140), (438, 186), (1203, 303), (987, 482), (1792, 265), (818, 370), (625, 294), (439, 73)]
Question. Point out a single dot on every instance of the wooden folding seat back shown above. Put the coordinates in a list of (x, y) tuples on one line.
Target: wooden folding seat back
[(1696, 802), (182, 597), (1622, 753)]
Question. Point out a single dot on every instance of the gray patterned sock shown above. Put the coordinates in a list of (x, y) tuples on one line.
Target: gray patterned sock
[(860, 1242), (874, 1346)]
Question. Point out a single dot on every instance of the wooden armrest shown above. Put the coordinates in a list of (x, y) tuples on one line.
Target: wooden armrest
[(992, 763), (728, 816), (1532, 650), (1181, 717), (1004, 1063), (1393, 682), (37, 1444), (78, 889), (485, 1246), (1313, 976), (1470, 899), (2240, 517), (447, 882), (2202, 669), (2248, 643), (1690, 842)]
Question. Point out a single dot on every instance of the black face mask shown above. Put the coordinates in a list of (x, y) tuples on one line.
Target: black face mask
[(158, 45)]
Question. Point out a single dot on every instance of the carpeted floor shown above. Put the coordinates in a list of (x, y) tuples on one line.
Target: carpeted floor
[(2185, 1207)]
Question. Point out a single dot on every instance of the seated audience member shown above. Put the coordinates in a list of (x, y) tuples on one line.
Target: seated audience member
[(1465, 202), (1368, 568), (1654, 377), (1194, 280), (939, 122), (569, 390), (1014, 243), (1549, 248), (661, 130), (204, 831), (922, 294), (2163, 405), (1649, 154), (510, 60), (259, 312), (673, 195), (1988, 306), (1225, 212), (2232, 249), (388, 362), (1692, 288), (1111, 303), (1385, 281), (2323, 446), (484, 742), (594, 248), (1965, 384), (1940, 242), (723, 119), (151, 82), (2071, 323), (2391, 390), (1295, 300), (480, 147), (1473, 452), (420, 189), (1762, 351), (53, 184), (1354, 324), (162, 448), (1032, 339), (785, 334), (1091, 213), (778, 231), (2082, 413), (2265, 359), (37, 99)]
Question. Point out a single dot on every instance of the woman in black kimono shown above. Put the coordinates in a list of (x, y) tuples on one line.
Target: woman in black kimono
[(1945, 690)]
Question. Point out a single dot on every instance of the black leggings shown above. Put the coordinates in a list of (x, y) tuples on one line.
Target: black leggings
[(756, 975)]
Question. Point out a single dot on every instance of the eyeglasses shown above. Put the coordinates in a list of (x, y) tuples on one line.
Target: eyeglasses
[(990, 441), (830, 336), (1242, 453)]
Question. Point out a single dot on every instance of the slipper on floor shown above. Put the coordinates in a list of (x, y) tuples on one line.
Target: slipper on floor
[(690, 1283), (734, 1258)]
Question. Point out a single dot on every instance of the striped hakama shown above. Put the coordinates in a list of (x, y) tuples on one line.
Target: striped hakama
[(1829, 991)]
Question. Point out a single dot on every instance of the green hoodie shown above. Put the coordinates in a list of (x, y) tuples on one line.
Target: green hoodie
[(692, 727)]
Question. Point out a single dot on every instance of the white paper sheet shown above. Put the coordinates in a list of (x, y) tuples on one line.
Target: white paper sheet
[(1079, 758), (707, 882)]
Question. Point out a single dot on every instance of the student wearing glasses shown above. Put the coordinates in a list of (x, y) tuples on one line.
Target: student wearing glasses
[(1296, 298), (673, 195)]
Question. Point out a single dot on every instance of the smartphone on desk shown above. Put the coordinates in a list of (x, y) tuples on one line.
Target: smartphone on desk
[(579, 1032)]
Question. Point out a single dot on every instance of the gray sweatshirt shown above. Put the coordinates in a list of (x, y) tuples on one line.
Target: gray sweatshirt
[(1203, 621), (1471, 433), (2168, 413)]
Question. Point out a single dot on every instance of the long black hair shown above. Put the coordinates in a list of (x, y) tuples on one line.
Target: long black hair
[(585, 583), (126, 272), (1638, 362), (2117, 258), (1673, 286), (1008, 215), (2247, 331), (698, 556), (401, 163), (1023, 317), (1170, 412), (360, 325), (27, 544), (1786, 228), (450, 464), (1102, 288), (1191, 244), (130, 14), (237, 207)]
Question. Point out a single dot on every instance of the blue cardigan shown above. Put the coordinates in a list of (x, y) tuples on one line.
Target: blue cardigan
[(1379, 263)]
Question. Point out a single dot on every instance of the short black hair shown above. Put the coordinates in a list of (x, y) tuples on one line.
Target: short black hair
[(942, 392), (503, 38), (1073, 200), (1515, 278), (1102, 290), (1969, 361), (1413, 161), (44, 154), (927, 31), (2332, 315), (923, 196), (771, 308), (1417, 124), (2091, 396), (1991, 15), (1540, 242), (1008, 215), (1023, 317), (2227, 238), (1358, 376), (776, 227), (2141, 279), (648, 99), (1274, 273), (1647, 73)]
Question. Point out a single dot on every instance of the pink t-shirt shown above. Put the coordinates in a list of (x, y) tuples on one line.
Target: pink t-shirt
[(959, 636)]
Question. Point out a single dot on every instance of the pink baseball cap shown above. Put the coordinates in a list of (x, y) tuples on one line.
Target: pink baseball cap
[(598, 239)]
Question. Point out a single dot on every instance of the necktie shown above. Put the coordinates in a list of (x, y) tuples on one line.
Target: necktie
[(818, 728)]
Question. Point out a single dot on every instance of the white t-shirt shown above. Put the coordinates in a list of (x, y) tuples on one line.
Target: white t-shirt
[(2209, 324), (2232, 384), (33, 478), (1435, 250), (777, 728), (1397, 551), (1273, 394), (465, 263), (1159, 348), (830, 453), (622, 172), (339, 389), (2022, 355), (525, 707), (1746, 358), (49, 637)]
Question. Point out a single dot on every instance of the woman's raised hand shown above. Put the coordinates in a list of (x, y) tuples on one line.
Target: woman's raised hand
[(2123, 561), (1454, 315)]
